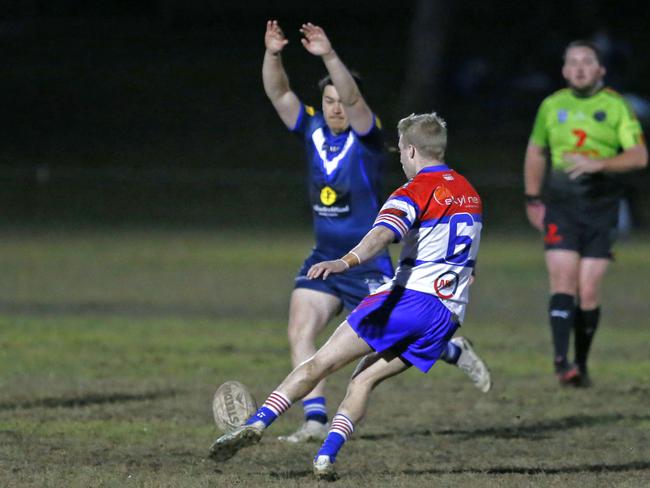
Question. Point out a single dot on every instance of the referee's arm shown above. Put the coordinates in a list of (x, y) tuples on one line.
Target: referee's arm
[(534, 171)]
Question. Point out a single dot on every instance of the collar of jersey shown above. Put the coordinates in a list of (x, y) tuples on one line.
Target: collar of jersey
[(593, 95), (434, 169), (330, 136)]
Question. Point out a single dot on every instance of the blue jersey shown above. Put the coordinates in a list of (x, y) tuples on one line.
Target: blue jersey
[(344, 184)]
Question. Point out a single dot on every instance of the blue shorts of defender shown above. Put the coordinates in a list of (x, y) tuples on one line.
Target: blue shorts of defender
[(415, 326), (350, 287)]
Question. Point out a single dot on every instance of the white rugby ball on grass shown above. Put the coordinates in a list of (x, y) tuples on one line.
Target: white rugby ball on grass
[(232, 405)]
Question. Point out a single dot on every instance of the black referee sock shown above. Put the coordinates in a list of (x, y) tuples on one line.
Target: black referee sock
[(561, 314), (586, 323)]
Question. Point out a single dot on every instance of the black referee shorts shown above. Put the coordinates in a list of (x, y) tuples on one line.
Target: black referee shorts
[(591, 231)]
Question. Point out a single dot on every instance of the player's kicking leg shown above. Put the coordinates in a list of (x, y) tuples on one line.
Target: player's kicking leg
[(342, 347), (372, 370), (309, 312)]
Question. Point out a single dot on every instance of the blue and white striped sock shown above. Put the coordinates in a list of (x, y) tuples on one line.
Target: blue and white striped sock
[(340, 431), (315, 409), (274, 406)]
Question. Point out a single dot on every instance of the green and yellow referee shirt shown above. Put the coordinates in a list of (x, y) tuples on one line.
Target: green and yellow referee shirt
[(599, 126)]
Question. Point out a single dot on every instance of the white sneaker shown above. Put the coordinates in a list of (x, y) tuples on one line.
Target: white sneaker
[(311, 430), (324, 469), (472, 365), (228, 444)]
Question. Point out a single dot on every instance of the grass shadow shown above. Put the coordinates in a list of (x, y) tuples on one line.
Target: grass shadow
[(497, 470), (581, 468), (87, 400), (532, 431)]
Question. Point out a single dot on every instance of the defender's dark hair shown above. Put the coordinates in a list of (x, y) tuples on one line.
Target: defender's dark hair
[(327, 80), (588, 45)]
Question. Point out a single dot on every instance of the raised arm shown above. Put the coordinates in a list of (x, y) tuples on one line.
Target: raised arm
[(374, 242), (274, 77), (356, 108), (534, 171)]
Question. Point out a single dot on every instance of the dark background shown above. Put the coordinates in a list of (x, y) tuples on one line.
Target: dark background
[(153, 112)]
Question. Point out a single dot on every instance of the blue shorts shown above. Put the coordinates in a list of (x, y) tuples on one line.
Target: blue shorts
[(350, 287), (414, 325)]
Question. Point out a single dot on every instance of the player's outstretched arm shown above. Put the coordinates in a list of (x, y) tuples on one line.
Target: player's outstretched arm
[(534, 170), (374, 242), (274, 77), (317, 43)]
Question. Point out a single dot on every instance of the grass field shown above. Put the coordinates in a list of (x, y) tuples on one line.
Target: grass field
[(112, 344)]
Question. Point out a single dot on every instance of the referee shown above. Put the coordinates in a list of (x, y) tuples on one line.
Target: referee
[(589, 134)]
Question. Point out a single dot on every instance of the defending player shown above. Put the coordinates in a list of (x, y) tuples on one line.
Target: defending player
[(407, 322), (591, 134), (345, 154)]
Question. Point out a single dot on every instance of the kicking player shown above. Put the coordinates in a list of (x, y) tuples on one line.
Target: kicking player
[(409, 321), (345, 154), (591, 133)]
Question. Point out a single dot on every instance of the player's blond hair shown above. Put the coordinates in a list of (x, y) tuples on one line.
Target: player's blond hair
[(426, 132)]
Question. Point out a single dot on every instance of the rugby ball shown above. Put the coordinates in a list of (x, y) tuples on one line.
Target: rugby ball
[(232, 405)]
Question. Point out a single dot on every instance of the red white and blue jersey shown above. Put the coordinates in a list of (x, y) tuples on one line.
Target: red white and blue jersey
[(437, 215), (344, 185)]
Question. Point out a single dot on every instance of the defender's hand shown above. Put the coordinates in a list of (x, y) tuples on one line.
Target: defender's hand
[(274, 39), (580, 165), (315, 40), (326, 268)]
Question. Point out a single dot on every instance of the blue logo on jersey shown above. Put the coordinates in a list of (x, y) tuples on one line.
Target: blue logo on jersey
[(600, 115), (562, 116)]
